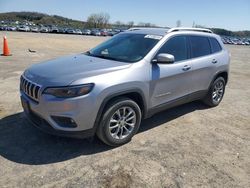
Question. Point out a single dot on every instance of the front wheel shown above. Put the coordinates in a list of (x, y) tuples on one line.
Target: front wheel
[(119, 122), (215, 93)]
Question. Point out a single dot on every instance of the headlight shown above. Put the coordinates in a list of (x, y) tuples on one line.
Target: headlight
[(70, 91)]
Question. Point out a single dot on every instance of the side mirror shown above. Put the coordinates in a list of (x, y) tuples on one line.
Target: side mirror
[(164, 58)]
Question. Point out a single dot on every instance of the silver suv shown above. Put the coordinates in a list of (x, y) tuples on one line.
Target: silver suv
[(133, 75)]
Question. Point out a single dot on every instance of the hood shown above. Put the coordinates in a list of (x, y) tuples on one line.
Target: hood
[(65, 70)]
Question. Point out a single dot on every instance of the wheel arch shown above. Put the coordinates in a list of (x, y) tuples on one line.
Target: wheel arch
[(223, 74), (133, 94)]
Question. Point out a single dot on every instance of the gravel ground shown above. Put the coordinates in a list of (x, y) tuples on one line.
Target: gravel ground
[(187, 146)]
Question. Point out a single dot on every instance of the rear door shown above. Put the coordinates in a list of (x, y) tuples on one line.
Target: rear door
[(172, 81), (203, 62)]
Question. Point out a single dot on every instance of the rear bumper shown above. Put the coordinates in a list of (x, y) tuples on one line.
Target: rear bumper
[(44, 126)]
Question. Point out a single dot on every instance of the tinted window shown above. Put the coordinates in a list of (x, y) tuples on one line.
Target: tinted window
[(176, 46), (200, 46), (215, 45)]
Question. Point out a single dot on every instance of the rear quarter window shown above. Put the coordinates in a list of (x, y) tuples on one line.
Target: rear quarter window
[(200, 46), (215, 45)]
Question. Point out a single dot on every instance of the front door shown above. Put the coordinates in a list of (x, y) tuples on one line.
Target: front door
[(172, 81)]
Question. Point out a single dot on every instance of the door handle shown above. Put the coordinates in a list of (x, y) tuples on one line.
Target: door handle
[(214, 61), (186, 68)]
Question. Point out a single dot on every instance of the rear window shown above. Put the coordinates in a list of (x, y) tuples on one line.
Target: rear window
[(199, 46), (216, 47)]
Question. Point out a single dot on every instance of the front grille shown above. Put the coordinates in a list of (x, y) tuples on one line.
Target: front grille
[(30, 88)]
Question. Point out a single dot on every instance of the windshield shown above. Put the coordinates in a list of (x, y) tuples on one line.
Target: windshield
[(125, 47)]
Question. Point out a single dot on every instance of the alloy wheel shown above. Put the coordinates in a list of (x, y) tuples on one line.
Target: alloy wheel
[(122, 122), (218, 91)]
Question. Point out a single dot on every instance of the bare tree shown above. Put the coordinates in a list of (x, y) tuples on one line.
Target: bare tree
[(193, 24), (142, 24), (102, 20), (178, 23), (119, 24), (200, 26), (130, 24), (99, 20), (149, 25), (92, 21)]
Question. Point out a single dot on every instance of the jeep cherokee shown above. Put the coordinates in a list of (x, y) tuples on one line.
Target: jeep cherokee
[(133, 75)]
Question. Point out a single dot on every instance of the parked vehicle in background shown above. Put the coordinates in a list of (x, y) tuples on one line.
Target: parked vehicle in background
[(108, 90), (78, 31), (11, 28), (86, 32), (95, 32), (2, 28), (112, 32), (44, 29), (104, 32), (117, 31), (235, 40), (34, 29), (54, 29), (61, 30), (247, 43), (23, 28), (70, 31)]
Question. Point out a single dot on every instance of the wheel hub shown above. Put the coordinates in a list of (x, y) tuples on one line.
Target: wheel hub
[(122, 122)]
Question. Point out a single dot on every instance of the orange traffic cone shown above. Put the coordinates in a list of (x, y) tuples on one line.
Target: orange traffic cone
[(6, 51)]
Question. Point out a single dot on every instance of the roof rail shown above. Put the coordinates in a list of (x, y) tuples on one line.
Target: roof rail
[(189, 29), (145, 28)]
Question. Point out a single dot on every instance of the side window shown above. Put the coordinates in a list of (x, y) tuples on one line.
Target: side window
[(199, 46), (216, 47), (176, 46)]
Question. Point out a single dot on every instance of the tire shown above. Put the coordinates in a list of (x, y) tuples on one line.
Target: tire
[(215, 93), (120, 122)]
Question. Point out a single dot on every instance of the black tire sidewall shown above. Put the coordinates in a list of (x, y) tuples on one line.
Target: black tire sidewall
[(106, 137)]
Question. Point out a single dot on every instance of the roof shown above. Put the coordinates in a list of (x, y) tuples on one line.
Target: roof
[(149, 31), (164, 31), (189, 29)]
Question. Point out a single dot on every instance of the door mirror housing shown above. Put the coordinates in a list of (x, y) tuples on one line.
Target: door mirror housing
[(164, 58)]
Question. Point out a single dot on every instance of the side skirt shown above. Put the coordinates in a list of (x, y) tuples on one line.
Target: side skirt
[(176, 102)]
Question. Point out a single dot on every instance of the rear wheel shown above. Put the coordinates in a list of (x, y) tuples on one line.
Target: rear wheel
[(119, 122), (215, 93)]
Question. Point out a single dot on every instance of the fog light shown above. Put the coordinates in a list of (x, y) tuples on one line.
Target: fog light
[(65, 122)]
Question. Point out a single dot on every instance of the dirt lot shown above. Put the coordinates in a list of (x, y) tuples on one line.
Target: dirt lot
[(188, 146)]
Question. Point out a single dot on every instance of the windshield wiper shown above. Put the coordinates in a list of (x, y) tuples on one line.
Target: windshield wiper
[(103, 56), (88, 53), (106, 57)]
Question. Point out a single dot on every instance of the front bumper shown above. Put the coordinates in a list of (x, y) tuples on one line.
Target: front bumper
[(44, 126), (80, 109)]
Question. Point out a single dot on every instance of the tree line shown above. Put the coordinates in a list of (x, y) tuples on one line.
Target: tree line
[(102, 20), (97, 20)]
